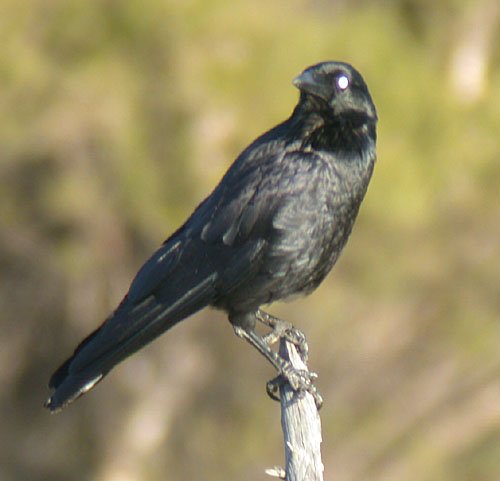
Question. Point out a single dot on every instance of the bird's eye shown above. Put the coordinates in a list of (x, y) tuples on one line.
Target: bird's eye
[(342, 81)]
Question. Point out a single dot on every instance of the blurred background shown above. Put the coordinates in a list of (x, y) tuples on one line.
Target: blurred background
[(118, 117)]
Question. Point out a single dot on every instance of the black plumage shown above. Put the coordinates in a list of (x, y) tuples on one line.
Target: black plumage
[(273, 227)]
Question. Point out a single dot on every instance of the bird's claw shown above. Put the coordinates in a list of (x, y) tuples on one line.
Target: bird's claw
[(284, 330), (273, 386), (299, 380), (298, 339)]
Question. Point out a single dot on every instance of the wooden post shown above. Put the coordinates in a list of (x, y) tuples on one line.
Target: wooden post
[(301, 428)]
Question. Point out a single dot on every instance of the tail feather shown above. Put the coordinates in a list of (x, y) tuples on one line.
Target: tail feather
[(128, 329)]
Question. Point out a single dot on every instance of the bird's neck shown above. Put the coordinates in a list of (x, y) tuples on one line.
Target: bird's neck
[(350, 132)]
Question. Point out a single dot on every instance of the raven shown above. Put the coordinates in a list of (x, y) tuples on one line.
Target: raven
[(273, 227)]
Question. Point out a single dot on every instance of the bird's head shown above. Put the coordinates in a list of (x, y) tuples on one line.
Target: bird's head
[(337, 88)]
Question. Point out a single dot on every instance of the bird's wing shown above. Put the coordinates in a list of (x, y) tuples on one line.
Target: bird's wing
[(177, 281), (285, 203), (218, 248)]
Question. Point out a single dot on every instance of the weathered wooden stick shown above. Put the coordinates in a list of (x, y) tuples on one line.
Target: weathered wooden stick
[(301, 428)]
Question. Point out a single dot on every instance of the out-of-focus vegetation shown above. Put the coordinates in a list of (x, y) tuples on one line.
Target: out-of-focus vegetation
[(118, 117)]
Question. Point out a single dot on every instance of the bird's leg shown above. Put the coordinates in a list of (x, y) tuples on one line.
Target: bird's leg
[(262, 346), (300, 380), (283, 330)]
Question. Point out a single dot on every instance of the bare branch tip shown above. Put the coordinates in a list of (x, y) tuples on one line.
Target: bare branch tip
[(276, 472)]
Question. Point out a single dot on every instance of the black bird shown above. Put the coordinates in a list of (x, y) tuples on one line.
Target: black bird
[(273, 227)]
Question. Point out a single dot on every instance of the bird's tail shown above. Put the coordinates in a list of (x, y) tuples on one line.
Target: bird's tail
[(128, 329)]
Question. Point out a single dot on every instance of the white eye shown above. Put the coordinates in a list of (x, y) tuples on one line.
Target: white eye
[(342, 82)]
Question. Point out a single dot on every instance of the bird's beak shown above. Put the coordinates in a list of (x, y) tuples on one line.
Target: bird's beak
[(306, 83)]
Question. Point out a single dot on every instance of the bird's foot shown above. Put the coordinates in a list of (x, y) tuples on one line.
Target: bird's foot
[(300, 381), (283, 330)]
